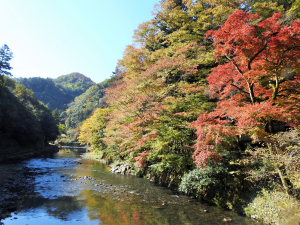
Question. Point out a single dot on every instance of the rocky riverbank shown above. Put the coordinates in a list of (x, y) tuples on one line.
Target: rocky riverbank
[(123, 168), (15, 181), (15, 178), (118, 167)]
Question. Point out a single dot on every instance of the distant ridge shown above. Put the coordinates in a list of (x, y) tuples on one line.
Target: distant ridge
[(59, 92)]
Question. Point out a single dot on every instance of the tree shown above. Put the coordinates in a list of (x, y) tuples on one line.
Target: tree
[(55, 114), (266, 9), (91, 130), (18, 125), (285, 3), (40, 111), (258, 85), (83, 105), (295, 9), (5, 56), (159, 90)]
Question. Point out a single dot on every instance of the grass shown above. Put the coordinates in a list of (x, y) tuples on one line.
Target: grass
[(274, 207)]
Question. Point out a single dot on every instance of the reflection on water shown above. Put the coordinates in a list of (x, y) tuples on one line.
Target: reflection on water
[(69, 190)]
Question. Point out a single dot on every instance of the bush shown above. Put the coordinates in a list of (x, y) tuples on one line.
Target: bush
[(210, 183)]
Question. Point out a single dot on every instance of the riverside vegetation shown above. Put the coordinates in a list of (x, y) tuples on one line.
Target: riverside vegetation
[(201, 77), (197, 103)]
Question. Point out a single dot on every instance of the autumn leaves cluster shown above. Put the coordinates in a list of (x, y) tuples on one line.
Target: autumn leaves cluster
[(197, 75)]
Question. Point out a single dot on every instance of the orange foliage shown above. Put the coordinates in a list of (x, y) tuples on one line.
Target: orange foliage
[(253, 86)]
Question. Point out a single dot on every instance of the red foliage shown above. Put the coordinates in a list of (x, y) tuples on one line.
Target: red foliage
[(143, 140), (141, 159), (177, 61), (258, 84)]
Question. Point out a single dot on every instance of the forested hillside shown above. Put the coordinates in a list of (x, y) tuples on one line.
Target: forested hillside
[(24, 121), (74, 84), (72, 98), (57, 93), (201, 77), (83, 106)]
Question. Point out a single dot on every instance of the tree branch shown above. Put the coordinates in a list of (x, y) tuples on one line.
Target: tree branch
[(236, 66), (245, 92), (253, 57)]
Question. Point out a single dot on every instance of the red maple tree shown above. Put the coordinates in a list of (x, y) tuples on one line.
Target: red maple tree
[(257, 85)]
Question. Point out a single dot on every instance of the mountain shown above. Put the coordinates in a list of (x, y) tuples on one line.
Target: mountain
[(85, 104), (74, 95), (57, 93), (73, 84)]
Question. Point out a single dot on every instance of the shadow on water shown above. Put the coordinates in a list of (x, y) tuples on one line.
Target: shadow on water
[(70, 190)]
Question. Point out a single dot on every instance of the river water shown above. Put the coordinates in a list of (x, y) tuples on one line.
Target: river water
[(67, 189)]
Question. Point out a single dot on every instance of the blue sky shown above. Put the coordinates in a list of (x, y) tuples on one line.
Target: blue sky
[(50, 38)]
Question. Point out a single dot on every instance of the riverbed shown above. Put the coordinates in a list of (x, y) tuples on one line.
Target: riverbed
[(64, 188)]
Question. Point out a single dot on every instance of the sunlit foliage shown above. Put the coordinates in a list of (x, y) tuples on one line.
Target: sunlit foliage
[(199, 75), (257, 86), (160, 86), (91, 131)]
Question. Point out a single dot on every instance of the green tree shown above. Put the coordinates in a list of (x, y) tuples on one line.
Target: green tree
[(267, 9), (295, 10), (287, 4), (19, 126), (91, 130), (83, 105), (55, 114), (40, 111)]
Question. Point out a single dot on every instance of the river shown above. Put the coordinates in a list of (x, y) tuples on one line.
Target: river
[(67, 189)]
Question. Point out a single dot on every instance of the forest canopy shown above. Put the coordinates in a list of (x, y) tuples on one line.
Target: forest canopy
[(200, 77)]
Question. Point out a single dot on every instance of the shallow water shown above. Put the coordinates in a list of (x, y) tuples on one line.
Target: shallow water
[(70, 190)]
